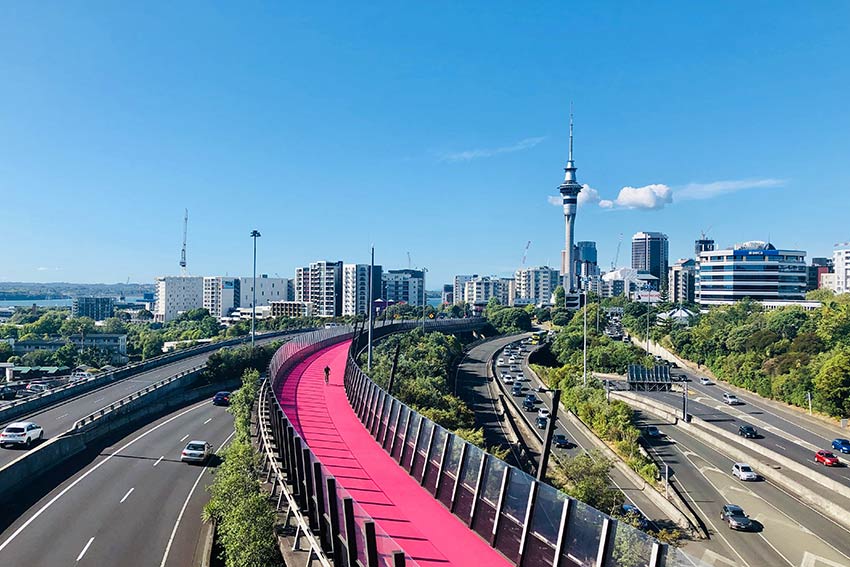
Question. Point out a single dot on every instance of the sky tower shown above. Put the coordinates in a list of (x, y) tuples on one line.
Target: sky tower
[(569, 191)]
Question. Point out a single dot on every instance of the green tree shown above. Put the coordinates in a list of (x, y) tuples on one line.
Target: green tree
[(114, 326), (144, 315), (585, 478), (5, 351), (77, 326), (47, 324), (832, 383), (152, 344), (66, 355), (38, 358), (560, 297)]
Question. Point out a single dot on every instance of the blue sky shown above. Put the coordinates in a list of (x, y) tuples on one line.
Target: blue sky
[(437, 128)]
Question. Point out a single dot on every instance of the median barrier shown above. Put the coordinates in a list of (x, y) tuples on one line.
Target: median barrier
[(719, 439)]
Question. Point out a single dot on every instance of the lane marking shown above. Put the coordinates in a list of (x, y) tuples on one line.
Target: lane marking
[(184, 437), (62, 416), (158, 460), (186, 503), (86, 548), (207, 421), (127, 495), (64, 491), (99, 400)]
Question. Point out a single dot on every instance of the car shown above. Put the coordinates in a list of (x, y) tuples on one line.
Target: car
[(743, 471), (21, 433), (748, 431), (730, 399), (520, 377), (512, 359), (633, 513), (500, 362), (196, 452), (221, 399), (529, 402), (652, 431), (841, 445), (734, 515), (541, 422), (508, 379), (515, 368), (543, 412), (826, 458), (517, 389), (7, 393), (37, 388), (560, 441), (704, 381)]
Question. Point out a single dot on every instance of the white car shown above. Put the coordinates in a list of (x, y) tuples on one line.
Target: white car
[(196, 452), (521, 377), (743, 471), (730, 399), (21, 433), (501, 362), (704, 381), (543, 412), (508, 379)]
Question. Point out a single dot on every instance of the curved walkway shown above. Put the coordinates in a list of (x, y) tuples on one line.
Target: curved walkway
[(321, 414)]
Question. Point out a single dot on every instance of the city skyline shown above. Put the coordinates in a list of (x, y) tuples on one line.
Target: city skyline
[(106, 138)]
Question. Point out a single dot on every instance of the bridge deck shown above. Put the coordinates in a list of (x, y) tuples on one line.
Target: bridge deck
[(417, 522)]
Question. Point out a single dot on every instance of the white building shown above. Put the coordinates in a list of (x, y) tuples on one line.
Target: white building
[(479, 290), (536, 286), (291, 309), (459, 287), (404, 285), (752, 269), (268, 290), (355, 288), (221, 295), (841, 270), (176, 295), (320, 283)]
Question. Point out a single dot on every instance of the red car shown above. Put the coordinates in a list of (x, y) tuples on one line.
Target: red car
[(826, 458)]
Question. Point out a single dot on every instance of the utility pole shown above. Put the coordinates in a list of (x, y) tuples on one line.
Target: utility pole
[(809, 398), (371, 309), (255, 234), (585, 335), (550, 430)]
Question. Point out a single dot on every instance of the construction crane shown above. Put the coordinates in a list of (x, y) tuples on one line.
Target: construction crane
[(525, 255), (617, 255), (704, 233), (183, 270)]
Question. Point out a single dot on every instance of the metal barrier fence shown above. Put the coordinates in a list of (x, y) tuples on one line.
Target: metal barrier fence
[(529, 522)]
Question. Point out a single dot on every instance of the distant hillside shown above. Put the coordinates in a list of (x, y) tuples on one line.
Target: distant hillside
[(64, 290)]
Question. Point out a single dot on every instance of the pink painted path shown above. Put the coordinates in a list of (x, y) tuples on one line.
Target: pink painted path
[(417, 522)]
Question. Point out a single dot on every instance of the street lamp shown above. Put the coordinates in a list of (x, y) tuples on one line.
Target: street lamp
[(255, 234), (550, 431), (424, 302), (584, 280)]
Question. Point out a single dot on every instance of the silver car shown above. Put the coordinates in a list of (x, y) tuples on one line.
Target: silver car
[(196, 452)]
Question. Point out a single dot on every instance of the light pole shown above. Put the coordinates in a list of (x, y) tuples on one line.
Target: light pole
[(584, 286), (255, 234), (371, 309), (645, 287), (424, 301)]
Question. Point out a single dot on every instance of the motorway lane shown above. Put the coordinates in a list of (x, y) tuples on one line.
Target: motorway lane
[(59, 418), (84, 520), (793, 534)]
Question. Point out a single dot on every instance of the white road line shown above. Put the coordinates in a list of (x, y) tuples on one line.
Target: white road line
[(780, 446), (83, 552), (62, 416), (185, 504), (99, 400), (127, 495), (158, 460), (207, 421), (184, 437), (53, 500)]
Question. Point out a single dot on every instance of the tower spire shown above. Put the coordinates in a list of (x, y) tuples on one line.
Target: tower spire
[(571, 166)]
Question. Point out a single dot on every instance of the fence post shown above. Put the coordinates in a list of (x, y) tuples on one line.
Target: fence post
[(333, 513), (503, 491), (608, 527), (562, 532), (350, 530), (309, 489), (529, 513), (371, 544), (320, 501)]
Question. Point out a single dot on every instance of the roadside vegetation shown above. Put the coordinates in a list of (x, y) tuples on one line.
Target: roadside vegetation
[(244, 517)]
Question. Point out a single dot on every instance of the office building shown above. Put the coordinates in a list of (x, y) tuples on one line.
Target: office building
[(841, 269), (221, 295), (460, 287), (406, 286), (97, 308), (650, 254), (752, 269), (320, 283), (268, 290), (355, 288), (448, 295), (536, 286), (586, 267), (814, 271), (176, 295), (681, 282), (703, 245), (291, 309)]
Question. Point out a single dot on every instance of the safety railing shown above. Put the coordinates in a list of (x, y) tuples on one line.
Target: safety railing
[(529, 522)]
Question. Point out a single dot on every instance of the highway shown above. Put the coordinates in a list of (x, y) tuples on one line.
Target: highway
[(788, 531), (59, 418), (135, 504)]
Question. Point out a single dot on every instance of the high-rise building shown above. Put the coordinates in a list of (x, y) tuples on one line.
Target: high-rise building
[(268, 290), (355, 288), (841, 268), (587, 271), (815, 269), (703, 245), (752, 269), (536, 285), (479, 290), (97, 308), (649, 254), (448, 297), (569, 190), (460, 287), (221, 295), (404, 285), (176, 295), (681, 281), (321, 284)]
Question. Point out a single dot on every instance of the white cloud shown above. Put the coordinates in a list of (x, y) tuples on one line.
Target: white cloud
[(469, 155), (588, 195), (555, 200), (648, 197), (697, 191)]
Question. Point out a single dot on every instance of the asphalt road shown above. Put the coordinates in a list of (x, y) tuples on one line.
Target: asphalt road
[(788, 532), (59, 418), (135, 504)]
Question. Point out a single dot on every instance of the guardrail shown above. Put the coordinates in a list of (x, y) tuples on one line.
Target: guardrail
[(529, 522), (36, 401), (106, 410)]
